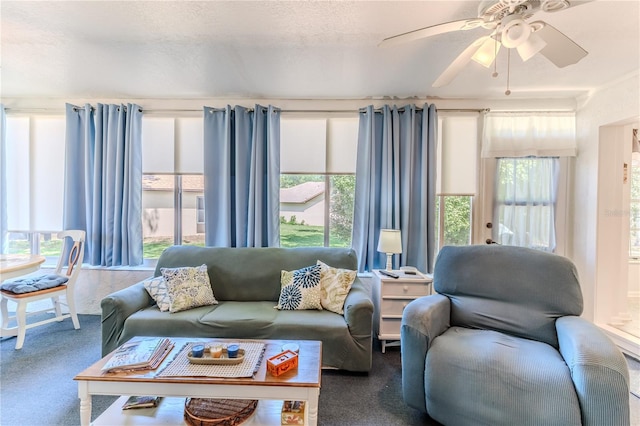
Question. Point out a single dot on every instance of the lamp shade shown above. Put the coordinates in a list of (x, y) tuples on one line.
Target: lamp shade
[(487, 52), (390, 241), (529, 48)]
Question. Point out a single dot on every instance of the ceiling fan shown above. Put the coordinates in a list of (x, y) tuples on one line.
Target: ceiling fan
[(507, 22)]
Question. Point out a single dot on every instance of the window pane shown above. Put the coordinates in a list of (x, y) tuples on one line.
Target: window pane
[(524, 205), (157, 214), (457, 219), (50, 245), (302, 210), (343, 189), (192, 208), (18, 243)]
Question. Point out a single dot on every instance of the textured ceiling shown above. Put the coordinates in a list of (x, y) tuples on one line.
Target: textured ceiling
[(288, 49)]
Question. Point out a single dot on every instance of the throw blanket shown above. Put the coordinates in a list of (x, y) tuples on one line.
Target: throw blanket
[(36, 283)]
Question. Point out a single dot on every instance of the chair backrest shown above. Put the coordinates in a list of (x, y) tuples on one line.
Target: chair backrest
[(72, 255), (515, 290)]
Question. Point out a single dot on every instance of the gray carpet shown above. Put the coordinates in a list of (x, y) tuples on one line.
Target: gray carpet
[(37, 386)]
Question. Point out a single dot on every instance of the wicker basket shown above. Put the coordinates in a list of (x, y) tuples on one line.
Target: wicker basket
[(218, 412)]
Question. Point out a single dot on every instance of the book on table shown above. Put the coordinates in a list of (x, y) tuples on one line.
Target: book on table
[(139, 354), (141, 402)]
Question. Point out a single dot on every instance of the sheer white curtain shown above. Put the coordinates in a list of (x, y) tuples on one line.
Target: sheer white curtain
[(524, 134), (525, 202)]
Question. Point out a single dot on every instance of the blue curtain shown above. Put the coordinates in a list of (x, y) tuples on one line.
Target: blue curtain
[(395, 184), (4, 229), (103, 181), (242, 176)]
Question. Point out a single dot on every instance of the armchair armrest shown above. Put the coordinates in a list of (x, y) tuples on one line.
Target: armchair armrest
[(116, 308), (598, 369), (423, 320), (358, 311)]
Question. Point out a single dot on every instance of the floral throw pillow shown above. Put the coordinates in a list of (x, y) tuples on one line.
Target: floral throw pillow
[(188, 288), (300, 289), (157, 289), (335, 285)]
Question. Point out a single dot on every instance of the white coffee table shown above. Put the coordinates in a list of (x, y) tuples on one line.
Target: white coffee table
[(302, 384)]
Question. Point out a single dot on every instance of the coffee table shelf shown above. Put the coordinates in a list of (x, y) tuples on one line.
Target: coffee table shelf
[(170, 412)]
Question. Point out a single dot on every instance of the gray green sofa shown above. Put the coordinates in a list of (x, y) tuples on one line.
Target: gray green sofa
[(246, 282)]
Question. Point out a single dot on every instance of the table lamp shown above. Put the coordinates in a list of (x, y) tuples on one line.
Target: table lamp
[(390, 242)]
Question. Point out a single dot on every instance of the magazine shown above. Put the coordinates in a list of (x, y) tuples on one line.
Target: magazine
[(139, 354), (141, 402)]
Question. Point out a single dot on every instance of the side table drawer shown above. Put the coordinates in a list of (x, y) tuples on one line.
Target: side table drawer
[(405, 289), (394, 306), (390, 327)]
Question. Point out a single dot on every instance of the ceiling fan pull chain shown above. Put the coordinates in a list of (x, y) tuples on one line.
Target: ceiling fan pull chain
[(508, 91)]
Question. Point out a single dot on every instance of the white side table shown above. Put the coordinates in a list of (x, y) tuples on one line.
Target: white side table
[(390, 296)]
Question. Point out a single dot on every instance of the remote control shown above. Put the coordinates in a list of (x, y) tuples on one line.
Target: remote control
[(389, 274)]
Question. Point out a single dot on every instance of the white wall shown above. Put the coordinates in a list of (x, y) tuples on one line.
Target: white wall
[(617, 103)]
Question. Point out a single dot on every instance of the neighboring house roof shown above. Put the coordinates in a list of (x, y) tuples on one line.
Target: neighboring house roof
[(301, 194), (190, 183)]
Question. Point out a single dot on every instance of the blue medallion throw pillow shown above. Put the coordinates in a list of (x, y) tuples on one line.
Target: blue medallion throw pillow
[(300, 289)]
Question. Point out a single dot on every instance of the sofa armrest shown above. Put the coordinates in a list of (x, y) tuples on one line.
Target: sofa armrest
[(423, 320), (598, 369), (116, 308), (358, 310)]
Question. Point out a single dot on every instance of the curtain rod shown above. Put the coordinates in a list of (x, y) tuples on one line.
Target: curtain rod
[(77, 108), (57, 111)]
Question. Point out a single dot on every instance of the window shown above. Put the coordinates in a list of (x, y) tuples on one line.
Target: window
[(170, 212), (317, 181), (172, 183), (35, 158), (525, 202), (453, 220), (457, 170)]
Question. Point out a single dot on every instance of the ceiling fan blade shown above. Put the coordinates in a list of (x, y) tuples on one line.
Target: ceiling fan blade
[(560, 49), (448, 27), (460, 62)]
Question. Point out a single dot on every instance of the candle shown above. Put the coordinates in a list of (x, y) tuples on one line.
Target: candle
[(216, 351), (232, 351), (197, 351)]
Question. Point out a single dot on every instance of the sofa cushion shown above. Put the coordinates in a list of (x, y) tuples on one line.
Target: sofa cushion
[(157, 289), (300, 289), (188, 288), (508, 380), (335, 284)]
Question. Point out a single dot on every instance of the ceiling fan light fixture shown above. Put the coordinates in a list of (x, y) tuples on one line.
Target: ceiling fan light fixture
[(529, 48), (554, 5), (515, 32), (487, 52)]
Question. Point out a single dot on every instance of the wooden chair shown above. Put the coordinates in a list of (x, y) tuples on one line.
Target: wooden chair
[(73, 266)]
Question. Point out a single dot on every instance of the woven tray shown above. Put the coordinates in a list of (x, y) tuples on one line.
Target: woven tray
[(218, 412)]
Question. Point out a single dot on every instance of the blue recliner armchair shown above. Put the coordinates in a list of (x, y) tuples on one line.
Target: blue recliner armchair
[(502, 343)]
